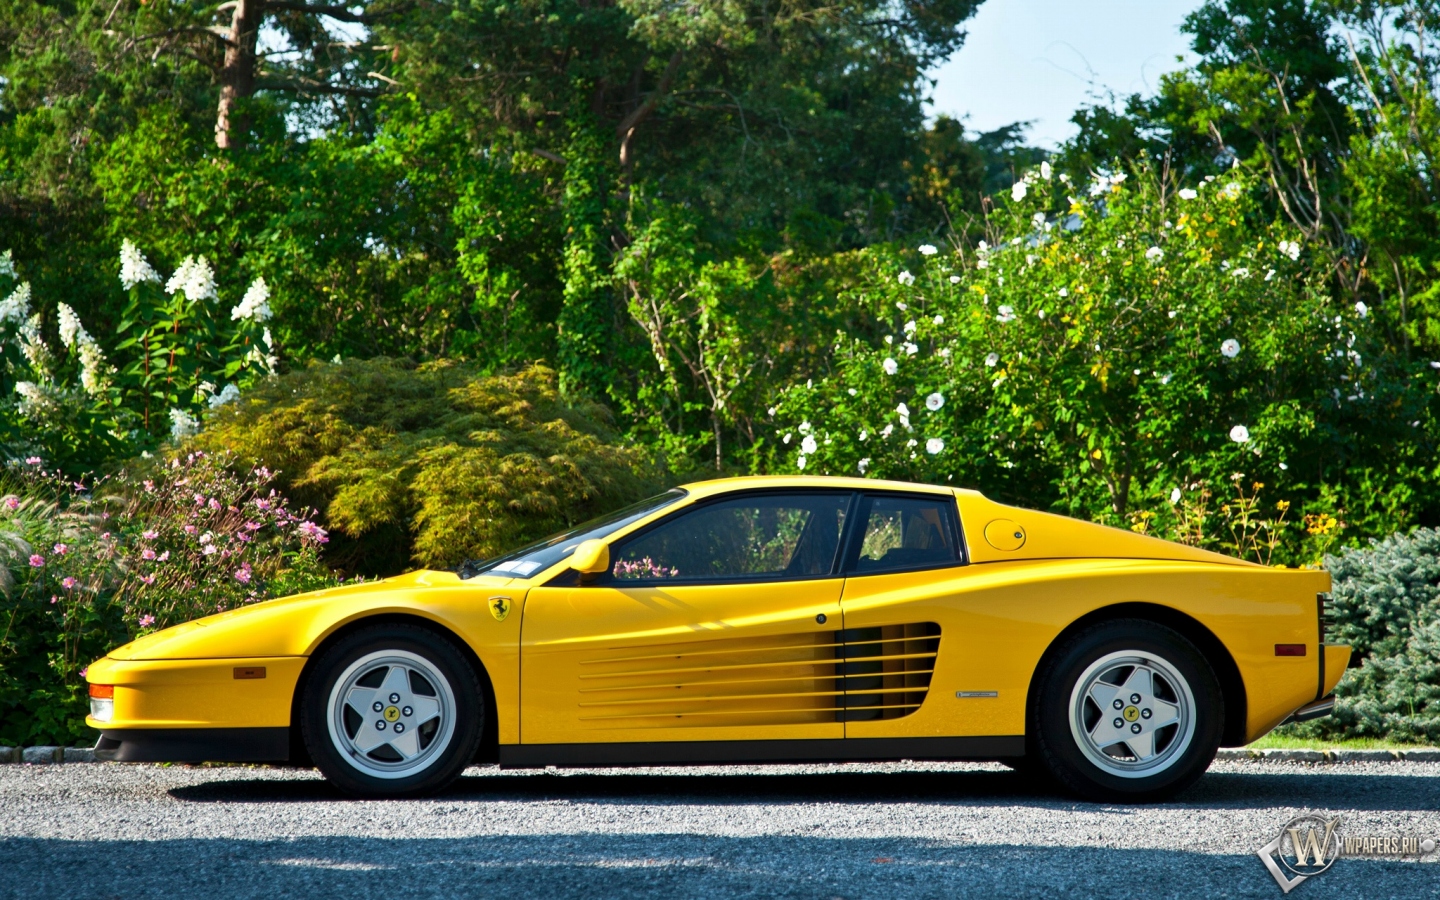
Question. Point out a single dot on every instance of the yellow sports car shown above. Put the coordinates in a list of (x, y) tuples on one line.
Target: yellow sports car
[(753, 620)]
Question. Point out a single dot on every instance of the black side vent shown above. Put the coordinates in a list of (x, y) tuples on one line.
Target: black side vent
[(885, 673)]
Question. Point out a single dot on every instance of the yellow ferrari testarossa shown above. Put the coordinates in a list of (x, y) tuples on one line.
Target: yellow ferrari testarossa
[(753, 620)]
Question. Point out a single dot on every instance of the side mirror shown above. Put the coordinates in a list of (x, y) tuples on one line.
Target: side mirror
[(591, 559)]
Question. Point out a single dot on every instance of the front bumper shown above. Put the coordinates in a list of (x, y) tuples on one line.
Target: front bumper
[(194, 745)]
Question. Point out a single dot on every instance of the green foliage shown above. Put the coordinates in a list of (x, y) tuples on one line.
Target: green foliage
[(1387, 607), (1115, 355), (432, 464), (86, 566)]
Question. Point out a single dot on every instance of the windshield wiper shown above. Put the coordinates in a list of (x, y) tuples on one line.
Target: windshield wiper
[(469, 569)]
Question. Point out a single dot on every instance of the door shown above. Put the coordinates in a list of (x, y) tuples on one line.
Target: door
[(720, 622)]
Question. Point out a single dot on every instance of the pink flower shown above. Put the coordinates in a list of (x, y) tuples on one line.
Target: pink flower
[(242, 574), (245, 536), (314, 532), (148, 579), (69, 583), (214, 504), (147, 553), (146, 620), (199, 499), (12, 502), (162, 557), (62, 549), (191, 529), (149, 487), (32, 460), (262, 504), (37, 560), (150, 535), (84, 671)]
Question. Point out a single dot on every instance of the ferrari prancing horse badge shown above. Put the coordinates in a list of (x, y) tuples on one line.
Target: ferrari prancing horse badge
[(499, 608)]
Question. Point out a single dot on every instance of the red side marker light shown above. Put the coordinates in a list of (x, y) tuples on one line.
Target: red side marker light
[(102, 691), (1289, 649)]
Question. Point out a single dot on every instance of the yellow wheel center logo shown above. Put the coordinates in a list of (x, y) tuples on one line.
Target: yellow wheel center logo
[(392, 713), (1131, 713)]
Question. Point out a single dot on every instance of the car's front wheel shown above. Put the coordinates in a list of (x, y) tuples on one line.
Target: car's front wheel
[(1128, 711), (392, 710)]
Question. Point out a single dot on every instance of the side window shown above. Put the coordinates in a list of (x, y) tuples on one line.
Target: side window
[(751, 538), (906, 533)]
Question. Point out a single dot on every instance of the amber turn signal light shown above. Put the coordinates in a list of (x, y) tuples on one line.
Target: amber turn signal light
[(102, 691), (1289, 649)]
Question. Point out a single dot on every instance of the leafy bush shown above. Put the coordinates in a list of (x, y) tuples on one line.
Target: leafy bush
[(434, 463), (85, 567), (1116, 357), (1387, 607)]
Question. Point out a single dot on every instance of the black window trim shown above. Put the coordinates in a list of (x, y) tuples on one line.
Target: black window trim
[(856, 540), (836, 565)]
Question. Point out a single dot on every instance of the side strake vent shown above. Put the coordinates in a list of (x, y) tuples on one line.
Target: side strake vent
[(788, 679)]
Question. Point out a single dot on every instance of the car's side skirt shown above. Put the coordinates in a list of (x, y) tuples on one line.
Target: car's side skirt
[(704, 753), (194, 745)]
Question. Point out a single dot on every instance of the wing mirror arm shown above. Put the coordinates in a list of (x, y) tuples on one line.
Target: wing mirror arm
[(591, 559)]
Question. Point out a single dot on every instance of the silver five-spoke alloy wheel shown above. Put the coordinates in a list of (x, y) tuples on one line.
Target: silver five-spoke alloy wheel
[(391, 714), (1132, 714)]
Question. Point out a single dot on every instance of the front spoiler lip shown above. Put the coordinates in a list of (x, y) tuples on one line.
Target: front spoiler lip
[(1319, 709), (194, 745)]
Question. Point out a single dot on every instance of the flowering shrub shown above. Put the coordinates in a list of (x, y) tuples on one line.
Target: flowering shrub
[(78, 404), (1098, 353), (88, 565)]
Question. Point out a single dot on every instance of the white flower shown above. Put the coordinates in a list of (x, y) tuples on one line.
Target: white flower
[(1154, 253), (33, 400), (864, 464), (1063, 292), (134, 268), (94, 374), (253, 305), (1230, 348), (851, 391), (1018, 190), (805, 427), (903, 410), (195, 279), (890, 366), (7, 264), (905, 277), (808, 445), (887, 431), (1170, 314), (786, 438), (1175, 495), (1007, 313), (1239, 434), (954, 279), (182, 424), (928, 250), (934, 402), (1284, 467), (934, 446), (1269, 274), (1188, 194), (800, 463), (1165, 379), (910, 328), (1290, 249), (1240, 272), (17, 306), (910, 349), (864, 435), (938, 320), (70, 328), (1038, 220), (991, 359), (1045, 170), (901, 304), (231, 392), (1361, 309)]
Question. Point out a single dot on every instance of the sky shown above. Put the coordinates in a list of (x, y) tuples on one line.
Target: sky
[(1043, 59)]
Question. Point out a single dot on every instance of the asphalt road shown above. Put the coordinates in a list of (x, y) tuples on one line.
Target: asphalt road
[(891, 831)]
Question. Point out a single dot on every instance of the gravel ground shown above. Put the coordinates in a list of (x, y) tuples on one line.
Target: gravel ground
[(900, 830)]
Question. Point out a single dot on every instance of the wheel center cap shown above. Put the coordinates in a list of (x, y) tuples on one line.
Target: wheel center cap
[(1131, 714), (393, 712)]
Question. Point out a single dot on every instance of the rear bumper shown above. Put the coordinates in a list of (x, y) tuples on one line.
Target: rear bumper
[(194, 745), (1316, 710)]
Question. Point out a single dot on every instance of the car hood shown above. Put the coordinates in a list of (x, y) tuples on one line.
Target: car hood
[(291, 626)]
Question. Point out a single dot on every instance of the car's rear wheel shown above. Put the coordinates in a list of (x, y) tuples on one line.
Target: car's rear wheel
[(392, 710), (1128, 711)]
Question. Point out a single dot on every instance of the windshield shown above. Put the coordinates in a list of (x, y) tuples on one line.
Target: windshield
[(545, 553)]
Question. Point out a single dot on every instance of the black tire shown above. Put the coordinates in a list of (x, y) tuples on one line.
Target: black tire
[(1180, 752), (433, 658)]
